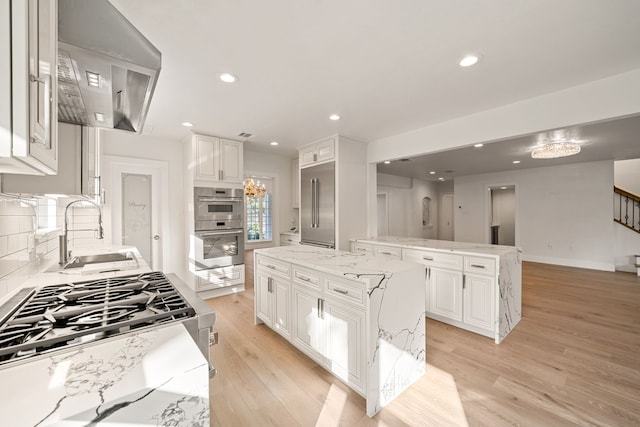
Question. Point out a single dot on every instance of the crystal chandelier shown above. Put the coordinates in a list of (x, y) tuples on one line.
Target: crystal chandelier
[(253, 189), (552, 149)]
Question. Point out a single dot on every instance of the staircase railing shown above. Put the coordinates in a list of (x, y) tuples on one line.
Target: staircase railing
[(626, 209)]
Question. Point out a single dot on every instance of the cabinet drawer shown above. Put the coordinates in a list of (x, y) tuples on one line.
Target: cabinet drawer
[(289, 240), (480, 265), (388, 252), (433, 259), (270, 265), (363, 248), (307, 278), (219, 277), (351, 292)]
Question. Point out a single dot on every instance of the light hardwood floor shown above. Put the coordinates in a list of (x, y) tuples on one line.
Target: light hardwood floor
[(574, 359)]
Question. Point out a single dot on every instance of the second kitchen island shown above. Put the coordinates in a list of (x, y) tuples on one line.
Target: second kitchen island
[(359, 317)]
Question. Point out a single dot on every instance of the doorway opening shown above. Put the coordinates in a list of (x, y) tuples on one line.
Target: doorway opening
[(383, 214), (445, 224), (502, 215)]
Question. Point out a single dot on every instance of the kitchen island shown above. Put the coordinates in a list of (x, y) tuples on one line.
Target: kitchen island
[(474, 286), (360, 317)]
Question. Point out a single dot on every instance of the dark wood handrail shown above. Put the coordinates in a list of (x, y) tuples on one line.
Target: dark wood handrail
[(627, 194)]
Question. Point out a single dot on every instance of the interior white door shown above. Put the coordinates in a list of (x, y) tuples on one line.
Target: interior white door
[(134, 192), (446, 218)]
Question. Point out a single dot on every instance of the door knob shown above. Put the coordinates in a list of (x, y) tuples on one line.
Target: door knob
[(156, 237)]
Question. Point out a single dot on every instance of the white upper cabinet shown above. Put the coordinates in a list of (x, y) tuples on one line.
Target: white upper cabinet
[(78, 167), (318, 152), (28, 94), (216, 159)]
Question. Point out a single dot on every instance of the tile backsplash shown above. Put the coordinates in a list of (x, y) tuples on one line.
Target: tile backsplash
[(29, 230)]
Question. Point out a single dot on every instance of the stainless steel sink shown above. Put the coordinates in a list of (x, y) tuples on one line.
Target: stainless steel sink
[(81, 261)]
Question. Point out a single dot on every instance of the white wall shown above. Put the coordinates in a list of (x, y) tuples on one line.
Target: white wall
[(152, 148), (278, 167), (404, 198), (627, 175), (563, 213)]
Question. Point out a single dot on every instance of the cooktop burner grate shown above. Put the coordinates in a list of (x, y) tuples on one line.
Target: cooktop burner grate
[(60, 316)]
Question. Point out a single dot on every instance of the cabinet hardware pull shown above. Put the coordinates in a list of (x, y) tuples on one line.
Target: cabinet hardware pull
[(362, 249), (315, 157), (341, 291), (385, 253), (427, 258), (269, 287), (305, 278), (464, 281), (318, 309), (478, 266), (270, 266), (48, 99), (321, 308)]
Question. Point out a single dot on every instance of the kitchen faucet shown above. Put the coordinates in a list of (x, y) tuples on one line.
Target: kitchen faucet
[(63, 238)]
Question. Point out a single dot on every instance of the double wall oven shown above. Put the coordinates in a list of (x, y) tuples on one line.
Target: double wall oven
[(219, 227)]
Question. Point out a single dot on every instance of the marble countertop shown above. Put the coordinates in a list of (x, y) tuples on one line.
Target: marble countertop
[(348, 264), (441, 245), (153, 377), (52, 275)]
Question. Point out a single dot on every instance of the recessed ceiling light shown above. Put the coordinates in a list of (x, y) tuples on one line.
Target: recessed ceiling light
[(515, 162), (386, 162), (503, 188), (228, 77), (469, 60), (441, 179), (432, 173), (99, 117), (274, 143), (478, 145), (334, 117), (187, 124)]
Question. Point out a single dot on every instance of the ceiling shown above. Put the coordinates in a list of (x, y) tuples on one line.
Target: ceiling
[(385, 67)]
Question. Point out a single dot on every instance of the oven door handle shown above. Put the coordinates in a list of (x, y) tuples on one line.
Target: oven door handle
[(217, 233), (218, 199)]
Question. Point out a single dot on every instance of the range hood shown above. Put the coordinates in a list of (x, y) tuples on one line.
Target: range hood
[(107, 70)]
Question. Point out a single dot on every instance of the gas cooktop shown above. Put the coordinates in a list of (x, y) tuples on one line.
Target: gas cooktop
[(38, 321)]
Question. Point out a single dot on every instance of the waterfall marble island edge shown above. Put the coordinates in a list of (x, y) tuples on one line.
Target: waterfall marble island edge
[(361, 318)]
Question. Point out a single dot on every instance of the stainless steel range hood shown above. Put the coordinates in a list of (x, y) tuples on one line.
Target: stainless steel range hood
[(107, 70)]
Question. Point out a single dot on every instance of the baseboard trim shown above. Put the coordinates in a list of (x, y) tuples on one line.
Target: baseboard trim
[(592, 265)]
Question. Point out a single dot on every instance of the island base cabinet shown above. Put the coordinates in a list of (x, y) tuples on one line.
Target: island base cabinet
[(346, 344), (445, 293), (272, 303), (309, 329), (331, 334), (478, 301)]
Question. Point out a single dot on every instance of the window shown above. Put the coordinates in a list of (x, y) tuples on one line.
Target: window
[(259, 212)]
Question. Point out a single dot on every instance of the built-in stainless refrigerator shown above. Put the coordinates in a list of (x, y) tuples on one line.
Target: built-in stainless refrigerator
[(317, 205)]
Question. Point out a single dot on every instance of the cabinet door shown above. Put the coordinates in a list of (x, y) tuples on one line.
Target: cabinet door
[(478, 301), (445, 290), (231, 161), (295, 184), (307, 155), (345, 343), (280, 291), (308, 329), (263, 299), (206, 152), (325, 150), (42, 63)]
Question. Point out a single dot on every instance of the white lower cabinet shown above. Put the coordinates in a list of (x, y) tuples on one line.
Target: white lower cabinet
[(345, 343), (445, 293), (330, 333), (479, 300), (272, 298)]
